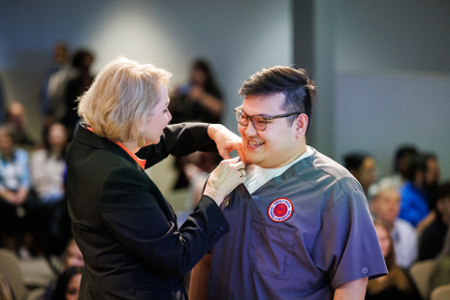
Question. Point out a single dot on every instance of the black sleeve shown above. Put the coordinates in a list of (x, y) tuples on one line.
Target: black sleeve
[(178, 140), (134, 215)]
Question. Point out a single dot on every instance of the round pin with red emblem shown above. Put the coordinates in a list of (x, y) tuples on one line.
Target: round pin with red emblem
[(280, 210)]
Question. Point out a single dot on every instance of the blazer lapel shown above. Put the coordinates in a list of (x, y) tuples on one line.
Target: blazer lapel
[(87, 137)]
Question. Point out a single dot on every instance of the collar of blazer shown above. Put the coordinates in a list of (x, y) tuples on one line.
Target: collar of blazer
[(89, 138)]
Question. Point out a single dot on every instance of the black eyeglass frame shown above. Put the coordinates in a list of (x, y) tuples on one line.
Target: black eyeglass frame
[(238, 110)]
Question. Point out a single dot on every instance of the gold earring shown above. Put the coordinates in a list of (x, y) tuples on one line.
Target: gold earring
[(141, 142)]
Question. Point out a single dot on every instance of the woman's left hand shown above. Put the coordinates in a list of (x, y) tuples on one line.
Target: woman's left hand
[(226, 141)]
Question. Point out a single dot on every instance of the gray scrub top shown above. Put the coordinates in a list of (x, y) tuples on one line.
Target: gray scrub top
[(299, 236)]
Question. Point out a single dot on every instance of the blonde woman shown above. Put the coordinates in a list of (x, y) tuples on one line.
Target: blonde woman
[(124, 227)]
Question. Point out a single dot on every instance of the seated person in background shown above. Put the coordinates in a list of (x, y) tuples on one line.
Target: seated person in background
[(417, 192), (432, 237), (385, 208), (441, 273), (72, 258), (47, 178), (363, 167), (199, 100), (68, 284), (402, 158), (397, 284), (14, 190), (79, 83), (16, 118)]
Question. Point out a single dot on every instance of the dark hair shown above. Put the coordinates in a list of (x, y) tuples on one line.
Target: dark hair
[(418, 163), (443, 191), (354, 160), (402, 151), (63, 282), (210, 86), (78, 59), (299, 90)]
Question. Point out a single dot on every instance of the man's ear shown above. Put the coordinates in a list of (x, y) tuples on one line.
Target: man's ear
[(301, 124)]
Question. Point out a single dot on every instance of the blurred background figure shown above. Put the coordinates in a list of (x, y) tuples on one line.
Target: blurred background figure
[(385, 208), (2, 104), (48, 167), (53, 87), (17, 119), (419, 192), (14, 193), (199, 100), (72, 258), (433, 236), (68, 284), (402, 158), (362, 166), (82, 61), (441, 273), (395, 285)]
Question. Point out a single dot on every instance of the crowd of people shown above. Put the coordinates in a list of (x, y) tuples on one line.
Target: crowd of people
[(410, 208), (411, 211)]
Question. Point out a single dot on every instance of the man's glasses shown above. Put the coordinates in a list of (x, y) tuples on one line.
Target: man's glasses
[(259, 122)]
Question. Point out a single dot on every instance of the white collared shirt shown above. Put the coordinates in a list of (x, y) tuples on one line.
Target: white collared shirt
[(258, 176)]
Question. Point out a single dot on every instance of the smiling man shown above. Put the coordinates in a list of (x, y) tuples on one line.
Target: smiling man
[(300, 225)]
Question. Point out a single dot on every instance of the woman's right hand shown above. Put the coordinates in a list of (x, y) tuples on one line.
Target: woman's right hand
[(224, 179)]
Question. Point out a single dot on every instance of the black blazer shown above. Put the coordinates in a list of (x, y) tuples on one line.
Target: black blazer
[(125, 228)]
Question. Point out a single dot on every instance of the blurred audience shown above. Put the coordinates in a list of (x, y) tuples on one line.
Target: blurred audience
[(68, 284), (433, 236), (16, 118), (2, 104), (419, 192), (441, 273), (47, 167), (397, 284), (53, 106), (14, 191), (199, 100), (72, 258), (385, 208), (402, 158), (362, 166), (82, 61)]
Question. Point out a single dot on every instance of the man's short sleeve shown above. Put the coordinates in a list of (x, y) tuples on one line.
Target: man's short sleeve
[(347, 246)]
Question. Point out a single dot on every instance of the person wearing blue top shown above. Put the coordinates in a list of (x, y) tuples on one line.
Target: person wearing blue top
[(14, 188), (300, 226), (417, 192)]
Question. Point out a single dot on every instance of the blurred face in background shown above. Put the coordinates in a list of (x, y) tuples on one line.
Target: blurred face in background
[(198, 77), (74, 256), (386, 205), (367, 173), (433, 174), (57, 135), (6, 142), (73, 287), (384, 239)]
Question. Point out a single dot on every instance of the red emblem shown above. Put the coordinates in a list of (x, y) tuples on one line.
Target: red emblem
[(280, 210)]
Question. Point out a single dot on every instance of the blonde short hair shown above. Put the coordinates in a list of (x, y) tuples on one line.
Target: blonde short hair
[(120, 96)]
